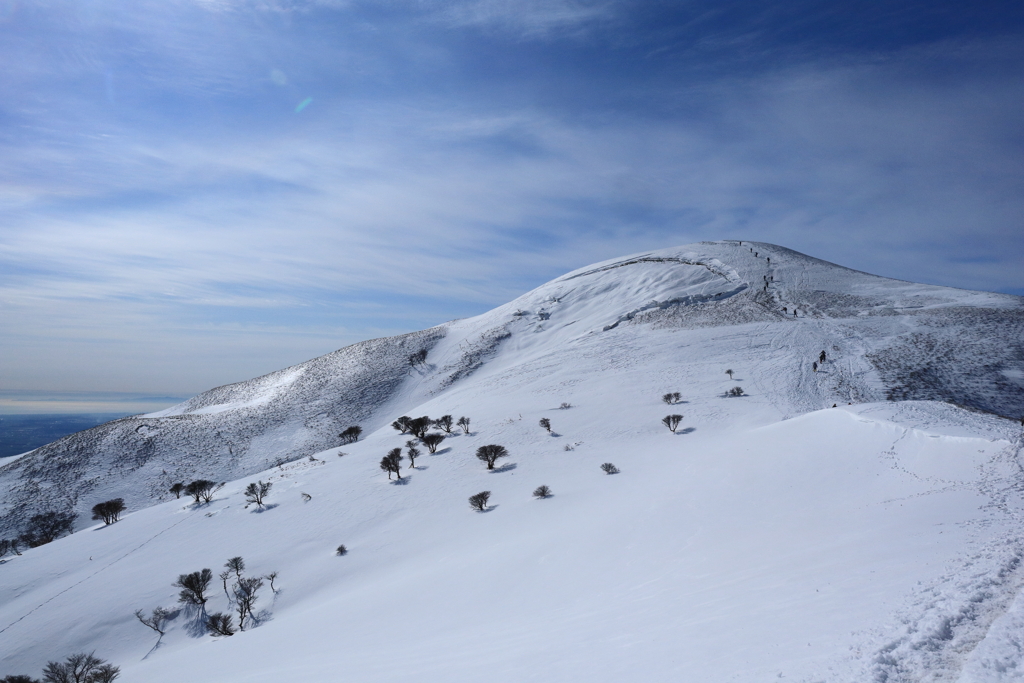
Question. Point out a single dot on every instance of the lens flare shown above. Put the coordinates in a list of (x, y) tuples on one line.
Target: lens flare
[(303, 104)]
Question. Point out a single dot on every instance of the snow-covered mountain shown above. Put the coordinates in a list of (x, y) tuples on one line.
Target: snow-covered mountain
[(770, 537)]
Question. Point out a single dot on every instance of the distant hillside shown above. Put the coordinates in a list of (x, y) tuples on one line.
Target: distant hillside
[(897, 341)]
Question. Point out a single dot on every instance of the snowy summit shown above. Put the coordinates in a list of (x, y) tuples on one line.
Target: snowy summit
[(725, 461)]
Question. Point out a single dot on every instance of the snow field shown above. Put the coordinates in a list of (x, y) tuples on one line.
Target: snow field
[(773, 538)]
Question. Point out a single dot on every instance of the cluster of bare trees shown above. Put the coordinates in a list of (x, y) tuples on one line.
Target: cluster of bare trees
[(242, 595), (109, 511), (351, 435), (83, 667), (201, 490), (40, 530)]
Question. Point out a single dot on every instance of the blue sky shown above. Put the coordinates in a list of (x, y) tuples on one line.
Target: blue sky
[(198, 192)]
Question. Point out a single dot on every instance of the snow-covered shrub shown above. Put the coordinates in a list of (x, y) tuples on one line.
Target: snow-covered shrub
[(545, 423), (541, 492), (565, 406), (479, 501), (609, 468), (18, 678), (342, 550), (735, 391)]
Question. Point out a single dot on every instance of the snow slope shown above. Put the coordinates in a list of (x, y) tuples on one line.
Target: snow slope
[(773, 537)]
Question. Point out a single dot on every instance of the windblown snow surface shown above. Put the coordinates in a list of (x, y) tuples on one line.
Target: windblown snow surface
[(773, 537)]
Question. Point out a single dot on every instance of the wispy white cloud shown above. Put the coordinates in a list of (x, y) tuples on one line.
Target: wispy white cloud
[(148, 237)]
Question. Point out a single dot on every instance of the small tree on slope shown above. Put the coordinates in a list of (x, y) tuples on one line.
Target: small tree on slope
[(478, 501), (193, 587), (490, 454), (432, 441), (256, 491), (392, 462)]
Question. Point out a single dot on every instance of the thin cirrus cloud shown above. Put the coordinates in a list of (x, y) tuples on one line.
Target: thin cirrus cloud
[(188, 179)]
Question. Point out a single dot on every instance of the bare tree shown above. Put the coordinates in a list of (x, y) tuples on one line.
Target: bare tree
[(444, 422), (432, 441), (609, 468), (402, 424), (342, 550), (735, 391), (541, 492), (351, 435), (672, 422), (256, 491), (672, 398), (545, 423), (730, 373), (19, 678), (236, 565), (490, 454), (224, 576), (10, 546), (109, 511), (177, 489), (464, 423), (246, 593), (419, 426), (203, 490), (193, 587), (156, 620), (46, 527), (412, 452), (478, 501), (392, 462), (219, 624), (80, 668), (271, 577)]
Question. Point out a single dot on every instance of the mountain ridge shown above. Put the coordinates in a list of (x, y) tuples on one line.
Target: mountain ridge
[(245, 427)]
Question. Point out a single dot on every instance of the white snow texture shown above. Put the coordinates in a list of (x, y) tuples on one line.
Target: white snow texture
[(770, 537)]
